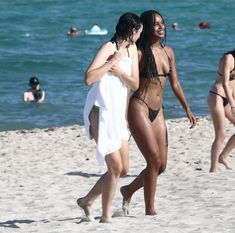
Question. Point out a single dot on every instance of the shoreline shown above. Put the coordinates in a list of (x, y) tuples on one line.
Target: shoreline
[(81, 125), (44, 171)]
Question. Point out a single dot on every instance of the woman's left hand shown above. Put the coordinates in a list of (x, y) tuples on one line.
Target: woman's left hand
[(116, 70), (191, 118)]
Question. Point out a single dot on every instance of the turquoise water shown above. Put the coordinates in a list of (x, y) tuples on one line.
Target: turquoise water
[(33, 41)]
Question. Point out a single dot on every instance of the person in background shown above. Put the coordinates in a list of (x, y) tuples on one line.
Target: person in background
[(175, 26), (34, 94), (221, 102), (113, 72), (73, 32), (145, 115), (203, 25)]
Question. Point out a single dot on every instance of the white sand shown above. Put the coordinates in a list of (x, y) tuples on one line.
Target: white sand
[(43, 172)]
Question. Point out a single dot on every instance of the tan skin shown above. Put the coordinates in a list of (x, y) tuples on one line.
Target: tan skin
[(151, 137), (105, 61), (226, 88)]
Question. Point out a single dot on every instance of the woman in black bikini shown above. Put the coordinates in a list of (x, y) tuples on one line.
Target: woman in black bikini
[(145, 115), (221, 104)]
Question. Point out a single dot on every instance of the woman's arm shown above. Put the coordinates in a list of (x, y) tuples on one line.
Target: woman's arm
[(105, 58), (41, 100), (132, 81), (177, 89), (25, 96), (227, 65)]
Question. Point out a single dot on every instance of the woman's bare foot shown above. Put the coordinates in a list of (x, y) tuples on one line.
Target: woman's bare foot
[(214, 170), (224, 161), (87, 209), (126, 201), (105, 220), (150, 212)]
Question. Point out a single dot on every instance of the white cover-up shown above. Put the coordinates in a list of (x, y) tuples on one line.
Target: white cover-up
[(110, 95)]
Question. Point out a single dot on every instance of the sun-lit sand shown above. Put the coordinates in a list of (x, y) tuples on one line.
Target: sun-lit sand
[(44, 171)]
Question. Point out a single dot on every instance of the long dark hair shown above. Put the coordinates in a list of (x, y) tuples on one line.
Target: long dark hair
[(145, 41), (124, 28)]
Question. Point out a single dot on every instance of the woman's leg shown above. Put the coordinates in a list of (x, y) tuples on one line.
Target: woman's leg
[(117, 164), (160, 129), (231, 142), (87, 201), (128, 190), (106, 185), (218, 117), (223, 158), (124, 151), (156, 157), (145, 137), (109, 184)]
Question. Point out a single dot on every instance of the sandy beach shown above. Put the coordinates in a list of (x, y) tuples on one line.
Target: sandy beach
[(44, 171)]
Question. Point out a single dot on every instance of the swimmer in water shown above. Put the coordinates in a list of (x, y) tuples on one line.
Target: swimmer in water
[(73, 31), (34, 93), (203, 25), (175, 26)]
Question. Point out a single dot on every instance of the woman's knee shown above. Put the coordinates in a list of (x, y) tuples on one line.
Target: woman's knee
[(124, 171), (124, 156), (221, 136), (154, 163), (162, 168), (116, 169)]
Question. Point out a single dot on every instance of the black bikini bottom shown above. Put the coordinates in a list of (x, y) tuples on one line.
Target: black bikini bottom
[(152, 113), (225, 101)]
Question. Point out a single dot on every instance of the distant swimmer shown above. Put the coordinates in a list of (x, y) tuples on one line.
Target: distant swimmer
[(175, 26), (203, 25), (73, 32), (34, 93)]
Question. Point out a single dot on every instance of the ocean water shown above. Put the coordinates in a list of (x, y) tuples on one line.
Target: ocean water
[(33, 41)]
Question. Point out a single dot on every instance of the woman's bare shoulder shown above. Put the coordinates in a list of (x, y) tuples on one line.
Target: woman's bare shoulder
[(105, 50), (228, 56), (169, 49), (133, 49), (106, 45), (133, 46), (228, 60)]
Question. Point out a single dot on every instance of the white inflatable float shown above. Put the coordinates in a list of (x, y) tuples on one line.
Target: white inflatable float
[(96, 30)]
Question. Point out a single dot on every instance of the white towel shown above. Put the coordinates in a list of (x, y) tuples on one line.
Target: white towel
[(110, 95)]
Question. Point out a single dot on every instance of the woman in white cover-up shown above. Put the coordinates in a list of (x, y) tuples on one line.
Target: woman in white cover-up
[(113, 71)]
